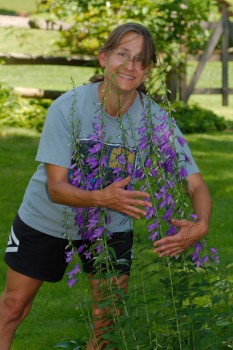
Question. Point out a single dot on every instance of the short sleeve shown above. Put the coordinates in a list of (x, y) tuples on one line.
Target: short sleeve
[(186, 159), (55, 143)]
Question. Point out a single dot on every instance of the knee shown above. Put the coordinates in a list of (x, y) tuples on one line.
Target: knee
[(14, 308)]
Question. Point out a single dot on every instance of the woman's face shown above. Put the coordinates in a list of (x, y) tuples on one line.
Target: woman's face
[(123, 65)]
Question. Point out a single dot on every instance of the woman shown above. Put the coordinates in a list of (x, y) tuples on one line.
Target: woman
[(88, 129)]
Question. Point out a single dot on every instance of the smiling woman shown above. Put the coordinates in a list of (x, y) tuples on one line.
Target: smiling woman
[(98, 141)]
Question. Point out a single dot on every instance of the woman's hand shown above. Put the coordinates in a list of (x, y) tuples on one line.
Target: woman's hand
[(189, 233), (116, 197)]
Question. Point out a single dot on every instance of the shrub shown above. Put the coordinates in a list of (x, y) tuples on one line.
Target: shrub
[(17, 111), (193, 118)]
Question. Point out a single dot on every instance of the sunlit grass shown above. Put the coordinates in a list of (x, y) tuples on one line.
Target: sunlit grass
[(54, 315)]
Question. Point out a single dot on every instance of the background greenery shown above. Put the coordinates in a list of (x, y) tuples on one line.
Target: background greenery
[(54, 314)]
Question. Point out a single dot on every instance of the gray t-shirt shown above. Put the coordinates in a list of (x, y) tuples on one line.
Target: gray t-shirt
[(70, 115)]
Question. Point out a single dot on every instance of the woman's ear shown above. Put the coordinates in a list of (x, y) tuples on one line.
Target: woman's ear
[(102, 59)]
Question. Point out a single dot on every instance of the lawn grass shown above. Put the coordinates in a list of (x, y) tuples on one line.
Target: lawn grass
[(14, 7), (54, 315)]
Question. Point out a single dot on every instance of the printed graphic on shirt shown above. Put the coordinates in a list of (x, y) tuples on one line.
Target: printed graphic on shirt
[(13, 243), (114, 163)]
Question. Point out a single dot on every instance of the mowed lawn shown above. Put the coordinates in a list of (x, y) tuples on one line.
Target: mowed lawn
[(54, 315)]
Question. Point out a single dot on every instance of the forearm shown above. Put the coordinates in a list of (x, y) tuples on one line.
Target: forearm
[(201, 202), (114, 196), (67, 194)]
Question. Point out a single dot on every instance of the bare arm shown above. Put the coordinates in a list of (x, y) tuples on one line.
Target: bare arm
[(113, 197), (189, 232)]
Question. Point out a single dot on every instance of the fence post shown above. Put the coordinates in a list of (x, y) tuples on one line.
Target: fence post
[(172, 84), (225, 56)]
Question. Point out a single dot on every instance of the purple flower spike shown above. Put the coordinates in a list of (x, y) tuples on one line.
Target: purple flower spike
[(69, 255)]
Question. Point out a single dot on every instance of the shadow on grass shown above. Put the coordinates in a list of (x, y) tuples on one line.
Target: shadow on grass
[(6, 12)]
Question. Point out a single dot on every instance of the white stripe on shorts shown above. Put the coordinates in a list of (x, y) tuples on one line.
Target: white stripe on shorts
[(13, 243)]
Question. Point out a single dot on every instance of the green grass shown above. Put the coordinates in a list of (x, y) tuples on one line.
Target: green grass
[(16, 6), (54, 315), (29, 41)]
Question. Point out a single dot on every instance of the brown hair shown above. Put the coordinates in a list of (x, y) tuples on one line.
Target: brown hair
[(114, 38)]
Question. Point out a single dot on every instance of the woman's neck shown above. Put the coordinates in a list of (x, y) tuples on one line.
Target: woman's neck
[(114, 102)]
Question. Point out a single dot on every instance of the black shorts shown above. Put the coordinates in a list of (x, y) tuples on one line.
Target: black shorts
[(41, 256)]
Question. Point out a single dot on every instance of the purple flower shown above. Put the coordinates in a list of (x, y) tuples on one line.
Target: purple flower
[(186, 158), (205, 259), (117, 171), (171, 231), (81, 248), (72, 282), (87, 255), (99, 248), (150, 213), (154, 172), (73, 272), (154, 236), (153, 226), (93, 162), (139, 174), (168, 166), (167, 216), (181, 141), (98, 184), (197, 247), (142, 130), (69, 255), (213, 251), (183, 172), (98, 232), (96, 148), (148, 162), (193, 217), (121, 159), (103, 161), (143, 142), (130, 168)]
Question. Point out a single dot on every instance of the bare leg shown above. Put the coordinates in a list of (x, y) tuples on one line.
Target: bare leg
[(15, 304), (102, 316)]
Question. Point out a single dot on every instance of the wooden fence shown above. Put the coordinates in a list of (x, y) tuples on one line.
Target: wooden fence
[(222, 30)]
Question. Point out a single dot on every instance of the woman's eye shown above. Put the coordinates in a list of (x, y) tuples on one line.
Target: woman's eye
[(137, 59), (122, 54)]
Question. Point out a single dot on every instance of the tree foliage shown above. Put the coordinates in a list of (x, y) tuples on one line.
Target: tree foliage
[(174, 23)]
